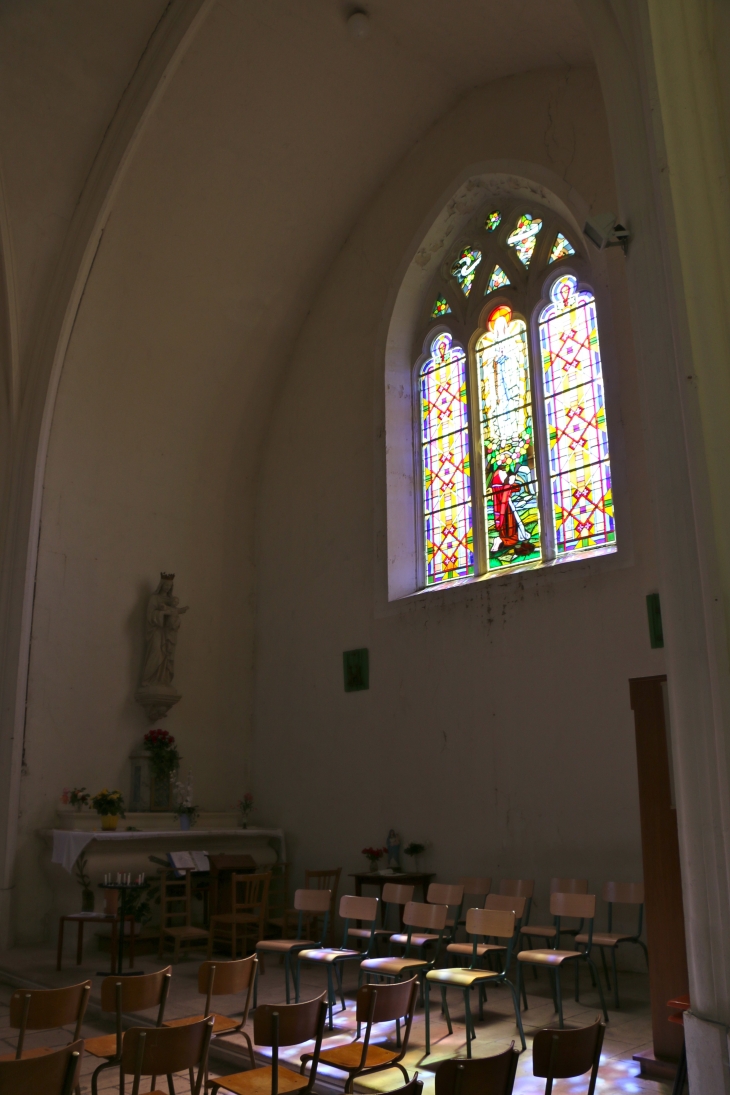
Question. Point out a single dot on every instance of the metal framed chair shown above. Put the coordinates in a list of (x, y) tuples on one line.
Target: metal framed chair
[(547, 931), (161, 1051), (124, 994), (618, 893), (394, 896), (325, 880), (351, 908), (582, 907), (220, 978), (479, 1075), (480, 923), (495, 903), (416, 915), (439, 893), (278, 1025), (46, 1009), (375, 1004), (247, 918), (474, 887), (519, 887), (561, 1054), (309, 905), (53, 1073)]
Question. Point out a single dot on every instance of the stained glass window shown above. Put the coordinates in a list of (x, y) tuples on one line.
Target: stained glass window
[(465, 268), (497, 279), (447, 502), (561, 248), (580, 470), (507, 437), (493, 221), (440, 308), (524, 237)]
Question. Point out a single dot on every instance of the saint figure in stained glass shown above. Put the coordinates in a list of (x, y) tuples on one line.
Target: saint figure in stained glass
[(497, 279), (507, 437), (493, 221), (524, 237), (447, 502), (440, 308), (465, 268), (580, 469), (561, 248)]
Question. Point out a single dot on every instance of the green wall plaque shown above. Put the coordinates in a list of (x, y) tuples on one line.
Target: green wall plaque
[(654, 612), (356, 667)]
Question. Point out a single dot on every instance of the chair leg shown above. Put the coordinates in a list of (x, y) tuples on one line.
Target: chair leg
[(80, 943), (428, 1017), (397, 1033), (470, 1035), (95, 1075), (559, 997), (615, 978), (605, 968), (114, 948), (60, 942), (287, 968), (681, 1074), (296, 982), (577, 983), (447, 1015), (600, 987), (338, 971), (330, 995), (646, 953), (518, 1017), (520, 986), (482, 997)]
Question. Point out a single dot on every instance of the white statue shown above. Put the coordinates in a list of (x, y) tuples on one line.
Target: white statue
[(162, 623)]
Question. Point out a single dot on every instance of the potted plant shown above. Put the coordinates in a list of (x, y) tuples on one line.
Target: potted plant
[(164, 759), (373, 855), (82, 877), (78, 798), (185, 811), (245, 805), (110, 806), (415, 850)]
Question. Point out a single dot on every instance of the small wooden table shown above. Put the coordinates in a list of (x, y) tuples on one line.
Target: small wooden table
[(400, 878)]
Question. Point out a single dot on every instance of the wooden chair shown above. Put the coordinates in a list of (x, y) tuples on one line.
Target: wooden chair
[(175, 905), (246, 920), (375, 1004), (219, 978), (124, 994), (480, 1076), (222, 867), (415, 1087), (46, 1009), (308, 904), (54, 1073), (109, 916), (394, 896), (494, 903), (160, 1051), (560, 1054), (480, 923), (325, 880), (618, 893), (450, 895), (583, 907), (333, 958), (432, 918), (278, 1025), (557, 885), (477, 887)]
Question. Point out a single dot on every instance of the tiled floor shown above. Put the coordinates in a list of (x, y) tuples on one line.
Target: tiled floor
[(629, 1028)]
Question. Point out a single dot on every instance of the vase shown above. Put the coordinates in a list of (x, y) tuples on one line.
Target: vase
[(373, 866), (87, 900), (109, 822), (185, 822)]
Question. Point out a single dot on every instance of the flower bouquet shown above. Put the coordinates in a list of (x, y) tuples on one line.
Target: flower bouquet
[(163, 753), (185, 811), (110, 806), (373, 855), (78, 797)]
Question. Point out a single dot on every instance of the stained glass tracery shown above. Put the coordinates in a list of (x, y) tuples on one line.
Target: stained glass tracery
[(493, 221), (580, 469), (465, 268), (447, 501), (507, 436), (524, 237), (561, 248), (497, 280), (441, 307)]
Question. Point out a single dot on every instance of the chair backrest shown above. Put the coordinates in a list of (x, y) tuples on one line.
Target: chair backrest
[(46, 1009), (568, 885), (440, 893), (497, 922), (359, 908), (393, 1001), (297, 1023), (50, 1074), (149, 990), (559, 1054), (226, 978), (505, 903), (222, 866), (475, 887), (580, 905), (175, 899), (312, 901), (419, 915), (517, 887), (325, 880), (624, 893), (415, 1087), (250, 893), (159, 1051), (225, 861), (397, 893), (478, 1076)]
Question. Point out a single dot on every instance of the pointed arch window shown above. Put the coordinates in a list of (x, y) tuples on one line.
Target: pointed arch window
[(514, 450)]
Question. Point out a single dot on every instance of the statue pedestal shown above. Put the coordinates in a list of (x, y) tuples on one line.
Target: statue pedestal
[(157, 700)]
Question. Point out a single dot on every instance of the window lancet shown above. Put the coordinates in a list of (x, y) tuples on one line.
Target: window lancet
[(524, 237), (465, 268)]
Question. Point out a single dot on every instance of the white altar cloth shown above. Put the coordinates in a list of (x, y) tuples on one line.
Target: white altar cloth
[(68, 844)]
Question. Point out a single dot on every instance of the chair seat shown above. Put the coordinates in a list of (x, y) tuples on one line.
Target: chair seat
[(257, 1081), (220, 1023), (543, 930), (460, 977), (104, 1046), (548, 957), (328, 954), (186, 932), (349, 1056), (30, 1053), (416, 940), (603, 939), (391, 965), (234, 918), (468, 949), (282, 946)]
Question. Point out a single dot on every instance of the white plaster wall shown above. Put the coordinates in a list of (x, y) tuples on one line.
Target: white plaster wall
[(497, 725)]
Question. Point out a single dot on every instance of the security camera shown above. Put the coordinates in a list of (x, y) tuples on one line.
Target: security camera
[(603, 230)]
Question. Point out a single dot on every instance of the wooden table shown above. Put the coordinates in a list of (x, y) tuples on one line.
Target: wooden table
[(401, 878)]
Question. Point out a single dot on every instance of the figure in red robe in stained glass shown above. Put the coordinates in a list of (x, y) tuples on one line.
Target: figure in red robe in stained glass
[(511, 532)]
